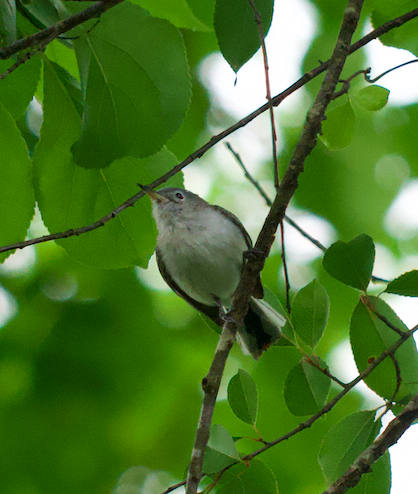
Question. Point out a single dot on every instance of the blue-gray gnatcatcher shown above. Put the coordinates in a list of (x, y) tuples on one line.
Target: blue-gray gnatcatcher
[(200, 256)]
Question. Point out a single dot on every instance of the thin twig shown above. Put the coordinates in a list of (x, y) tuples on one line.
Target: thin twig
[(398, 376), (387, 322), (267, 199), (315, 363), (346, 83), (179, 484), (260, 30), (76, 231), (10, 50), (257, 18), (285, 270), (331, 376), (247, 174), (388, 71), (384, 319), (27, 56), (305, 234)]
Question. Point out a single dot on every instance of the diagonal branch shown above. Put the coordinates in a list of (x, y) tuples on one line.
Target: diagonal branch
[(210, 385), (52, 32), (262, 247)]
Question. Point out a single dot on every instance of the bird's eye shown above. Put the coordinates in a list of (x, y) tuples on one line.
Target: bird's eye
[(179, 195)]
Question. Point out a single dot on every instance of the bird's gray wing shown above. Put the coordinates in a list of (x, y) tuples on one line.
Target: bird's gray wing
[(258, 289)]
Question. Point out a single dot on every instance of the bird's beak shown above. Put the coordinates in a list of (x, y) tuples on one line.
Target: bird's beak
[(153, 195)]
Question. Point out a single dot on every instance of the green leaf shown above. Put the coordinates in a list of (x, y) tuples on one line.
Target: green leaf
[(351, 262), (407, 284), (45, 12), (18, 88), (378, 480), (287, 330), (71, 85), (70, 196), (372, 98), (64, 56), (338, 128), (367, 344), (343, 444), (310, 310), (306, 389), (134, 476), (220, 451), (369, 337), (236, 29), (141, 479), (138, 87), (16, 190), (255, 478), (8, 21), (178, 13), (203, 10), (242, 397), (404, 38)]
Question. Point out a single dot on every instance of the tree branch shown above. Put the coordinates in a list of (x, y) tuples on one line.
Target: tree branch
[(210, 385), (387, 439), (26, 57), (399, 21), (262, 247), (52, 32), (257, 18)]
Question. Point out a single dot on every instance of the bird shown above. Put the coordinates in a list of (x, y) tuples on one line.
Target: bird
[(199, 253)]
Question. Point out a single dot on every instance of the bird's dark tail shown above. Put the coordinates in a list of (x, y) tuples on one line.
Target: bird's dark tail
[(262, 328)]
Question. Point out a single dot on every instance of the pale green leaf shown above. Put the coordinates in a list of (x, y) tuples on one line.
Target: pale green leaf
[(138, 86), (306, 389), (338, 128), (236, 29), (351, 262), (255, 478), (220, 451), (344, 443), (407, 284), (70, 196), (242, 397), (310, 310), (16, 190), (372, 98), (369, 337)]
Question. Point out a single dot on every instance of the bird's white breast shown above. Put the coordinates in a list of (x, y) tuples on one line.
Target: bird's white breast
[(203, 257)]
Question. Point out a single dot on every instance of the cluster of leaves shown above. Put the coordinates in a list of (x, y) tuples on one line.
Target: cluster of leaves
[(103, 133)]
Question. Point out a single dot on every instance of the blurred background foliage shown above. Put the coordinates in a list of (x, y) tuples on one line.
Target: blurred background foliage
[(100, 370)]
